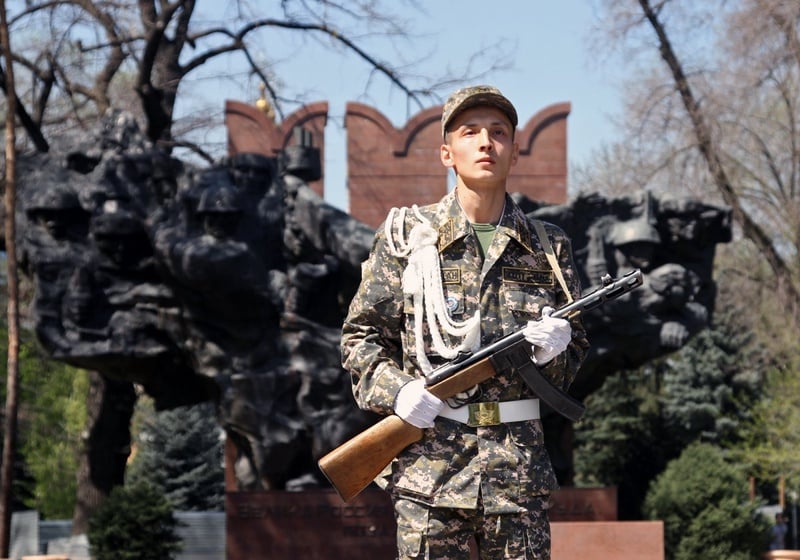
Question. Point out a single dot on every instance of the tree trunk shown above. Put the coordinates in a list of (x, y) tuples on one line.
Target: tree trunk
[(10, 420), (106, 448), (750, 225)]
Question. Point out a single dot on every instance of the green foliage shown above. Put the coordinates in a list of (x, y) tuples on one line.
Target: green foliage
[(614, 420), (56, 416), (617, 442), (772, 441), (52, 415), (770, 445), (709, 387), (724, 530), (180, 452), (135, 523), (703, 501), (640, 420)]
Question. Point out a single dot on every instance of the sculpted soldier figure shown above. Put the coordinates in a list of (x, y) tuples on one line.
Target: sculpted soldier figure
[(230, 283), (448, 278)]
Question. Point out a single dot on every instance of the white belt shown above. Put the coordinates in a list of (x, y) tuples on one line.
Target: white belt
[(493, 413)]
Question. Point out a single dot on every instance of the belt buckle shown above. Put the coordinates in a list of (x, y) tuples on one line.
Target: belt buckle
[(483, 414)]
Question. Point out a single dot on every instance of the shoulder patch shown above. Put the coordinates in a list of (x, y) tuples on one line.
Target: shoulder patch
[(446, 234)]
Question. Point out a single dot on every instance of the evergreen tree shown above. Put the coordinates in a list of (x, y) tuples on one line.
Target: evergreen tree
[(52, 414), (709, 387), (616, 442), (135, 523), (180, 452), (641, 420), (703, 501)]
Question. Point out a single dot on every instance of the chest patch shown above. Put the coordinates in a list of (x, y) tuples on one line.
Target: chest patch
[(452, 303), (451, 276), (528, 276)]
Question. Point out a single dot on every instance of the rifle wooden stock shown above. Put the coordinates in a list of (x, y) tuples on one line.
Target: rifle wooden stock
[(354, 464)]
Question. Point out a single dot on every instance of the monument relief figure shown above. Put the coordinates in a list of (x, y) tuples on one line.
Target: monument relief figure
[(229, 283)]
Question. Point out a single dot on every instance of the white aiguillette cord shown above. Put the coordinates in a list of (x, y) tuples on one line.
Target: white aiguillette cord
[(422, 280)]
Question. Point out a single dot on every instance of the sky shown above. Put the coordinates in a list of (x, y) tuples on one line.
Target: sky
[(547, 49)]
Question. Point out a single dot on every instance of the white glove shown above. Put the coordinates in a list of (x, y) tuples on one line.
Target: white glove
[(549, 336), (416, 405)]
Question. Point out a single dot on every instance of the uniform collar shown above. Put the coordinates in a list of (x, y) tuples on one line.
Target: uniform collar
[(452, 224)]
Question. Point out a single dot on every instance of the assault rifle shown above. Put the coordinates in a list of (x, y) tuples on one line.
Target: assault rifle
[(354, 464)]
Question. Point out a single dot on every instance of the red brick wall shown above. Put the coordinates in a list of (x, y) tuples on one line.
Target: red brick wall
[(399, 167), (387, 166), (541, 172), (249, 130)]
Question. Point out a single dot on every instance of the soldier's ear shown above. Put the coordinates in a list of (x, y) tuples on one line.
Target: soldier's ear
[(446, 155)]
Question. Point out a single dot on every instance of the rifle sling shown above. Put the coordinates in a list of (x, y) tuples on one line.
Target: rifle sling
[(551, 257), (517, 357)]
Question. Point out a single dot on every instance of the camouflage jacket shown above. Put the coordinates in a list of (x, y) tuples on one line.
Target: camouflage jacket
[(453, 463)]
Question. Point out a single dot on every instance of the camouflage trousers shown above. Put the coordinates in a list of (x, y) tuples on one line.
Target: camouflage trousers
[(429, 533)]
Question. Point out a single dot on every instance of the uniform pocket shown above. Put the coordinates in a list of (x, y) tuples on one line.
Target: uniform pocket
[(526, 301), (422, 477), (536, 472), (526, 434), (412, 524)]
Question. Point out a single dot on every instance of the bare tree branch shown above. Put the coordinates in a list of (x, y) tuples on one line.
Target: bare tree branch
[(750, 228), (28, 123), (96, 46)]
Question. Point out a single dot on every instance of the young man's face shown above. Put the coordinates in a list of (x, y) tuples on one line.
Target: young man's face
[(480, 147)]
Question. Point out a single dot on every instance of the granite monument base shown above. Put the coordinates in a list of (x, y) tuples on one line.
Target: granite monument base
[(318, 525), (309, 525), (607, 540)]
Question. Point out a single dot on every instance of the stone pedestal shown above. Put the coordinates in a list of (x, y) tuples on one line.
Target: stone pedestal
[(612, 540), (309, 525), (317, 525)]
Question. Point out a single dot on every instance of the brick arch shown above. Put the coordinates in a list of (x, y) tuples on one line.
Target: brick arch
[(540, 123), (419, 124), (541, 172), (387, 166), (400, 139), (249, 130)]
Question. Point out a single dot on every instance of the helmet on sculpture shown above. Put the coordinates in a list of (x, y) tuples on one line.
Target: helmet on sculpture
[(58, 210), (53, 199), (119, 223), (219, 199), (636, 242), (220, 209), (633, 231)]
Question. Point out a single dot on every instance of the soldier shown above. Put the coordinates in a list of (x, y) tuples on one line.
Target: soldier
[(58, 211), (449, 278)]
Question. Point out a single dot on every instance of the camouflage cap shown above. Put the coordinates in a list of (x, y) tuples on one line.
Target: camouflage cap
[(474, 96)]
